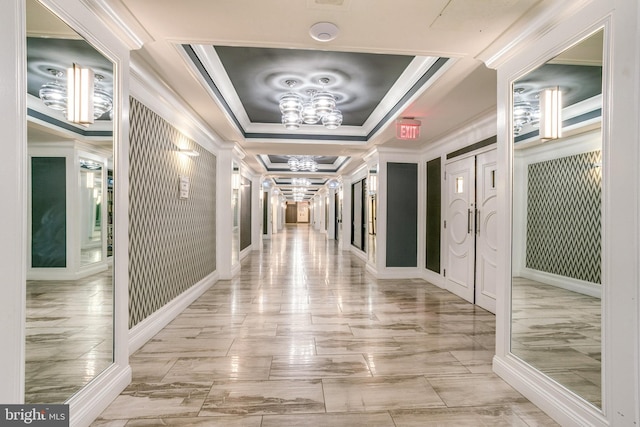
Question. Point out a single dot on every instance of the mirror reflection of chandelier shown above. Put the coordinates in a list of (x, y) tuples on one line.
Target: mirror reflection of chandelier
[(302, 163), (318, 107), (54, 94)]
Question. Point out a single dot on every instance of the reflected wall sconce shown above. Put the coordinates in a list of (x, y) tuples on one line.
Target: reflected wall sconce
[(80, 95), (550, 113), (373, 185), (187, 152)]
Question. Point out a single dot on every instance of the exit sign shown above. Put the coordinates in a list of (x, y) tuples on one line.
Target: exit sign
[(408, 129)]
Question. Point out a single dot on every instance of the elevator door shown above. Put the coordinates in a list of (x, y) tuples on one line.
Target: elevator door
[(459, 228), (471, 229), (486, 231)]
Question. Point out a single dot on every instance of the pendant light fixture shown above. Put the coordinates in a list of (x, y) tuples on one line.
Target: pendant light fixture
[(318, 107)]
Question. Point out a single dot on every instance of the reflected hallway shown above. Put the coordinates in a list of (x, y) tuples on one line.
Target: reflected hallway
[(303, 336)]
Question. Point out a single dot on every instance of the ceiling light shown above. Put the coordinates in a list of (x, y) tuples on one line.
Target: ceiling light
[(302, 163), (102, 102), (54, 94), (319, 107), (301, 182)]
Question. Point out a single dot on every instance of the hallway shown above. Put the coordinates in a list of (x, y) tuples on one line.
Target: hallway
[(304, 337)]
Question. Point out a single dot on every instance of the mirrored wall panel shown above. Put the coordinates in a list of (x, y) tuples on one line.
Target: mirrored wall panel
[(557, 235), (69, 288)]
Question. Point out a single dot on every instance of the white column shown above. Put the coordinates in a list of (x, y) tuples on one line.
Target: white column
[(224, 212), (13, 215)]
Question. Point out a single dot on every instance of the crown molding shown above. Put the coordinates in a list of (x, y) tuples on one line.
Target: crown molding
[(529, 28), (121, 21)]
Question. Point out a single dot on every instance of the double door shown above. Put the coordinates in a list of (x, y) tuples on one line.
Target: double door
[(471, 229)]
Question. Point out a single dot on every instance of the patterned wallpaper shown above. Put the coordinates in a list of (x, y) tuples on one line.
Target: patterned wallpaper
[(564, 218), (172, 241)]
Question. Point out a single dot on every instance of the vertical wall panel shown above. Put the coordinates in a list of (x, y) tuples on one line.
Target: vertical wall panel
[(245, 214), (402, 215), (434, 208), (49, 212), (172, 241)]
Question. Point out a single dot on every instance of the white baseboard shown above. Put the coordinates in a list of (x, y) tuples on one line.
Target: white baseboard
[(574, 285), (145, 330), (66, 274), (95, 397), (563, 406), (399, 273)]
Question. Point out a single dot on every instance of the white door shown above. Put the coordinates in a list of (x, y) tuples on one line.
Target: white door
[(486, 231), (459, 227)]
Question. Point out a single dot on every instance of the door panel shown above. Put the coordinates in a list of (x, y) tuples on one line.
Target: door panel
[(460, 182), (486, 231)]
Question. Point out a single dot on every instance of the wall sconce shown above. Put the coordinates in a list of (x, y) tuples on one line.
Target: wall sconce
[(80, 95), (187, 152), (373, 184), (550, 114), (235, 181)]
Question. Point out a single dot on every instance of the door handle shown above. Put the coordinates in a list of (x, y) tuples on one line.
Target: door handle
[(469, 215), (477, 221)]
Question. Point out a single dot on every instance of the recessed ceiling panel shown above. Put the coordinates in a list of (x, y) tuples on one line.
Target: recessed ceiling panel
[(370, 89), (358, 80)]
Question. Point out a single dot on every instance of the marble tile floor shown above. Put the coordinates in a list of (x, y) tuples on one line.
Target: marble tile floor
[(69, 335), (559, 332), (303, 336)]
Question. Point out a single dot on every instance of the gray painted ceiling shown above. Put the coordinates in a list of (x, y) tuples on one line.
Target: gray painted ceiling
[(359, 80), (44, 53), (577, 82)]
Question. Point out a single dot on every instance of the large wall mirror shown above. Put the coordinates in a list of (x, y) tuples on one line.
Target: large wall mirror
[(557, 198), (69, 313)]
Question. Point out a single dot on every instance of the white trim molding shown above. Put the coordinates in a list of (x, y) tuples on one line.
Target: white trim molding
[(146, 329)]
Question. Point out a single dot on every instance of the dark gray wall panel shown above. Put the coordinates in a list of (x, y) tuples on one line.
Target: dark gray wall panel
[(49, 212), (434, 208), (245, 214), (402, 214)]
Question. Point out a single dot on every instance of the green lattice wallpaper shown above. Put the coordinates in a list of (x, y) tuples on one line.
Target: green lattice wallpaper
[(564, 216), (172, 241)]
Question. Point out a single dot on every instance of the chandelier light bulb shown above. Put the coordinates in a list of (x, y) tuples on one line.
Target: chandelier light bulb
[(102, 102), (324, 103), (291, 120), (54, 94), (309, 113), (332, 120), (290, 103)]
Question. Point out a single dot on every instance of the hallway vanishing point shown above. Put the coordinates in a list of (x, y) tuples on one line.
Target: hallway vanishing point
[(303, 336)]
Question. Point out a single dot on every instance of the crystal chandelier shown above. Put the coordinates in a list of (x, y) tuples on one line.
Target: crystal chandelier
[(299, 193), (302, 163), (301, 182), (318, 107), (54, 95)]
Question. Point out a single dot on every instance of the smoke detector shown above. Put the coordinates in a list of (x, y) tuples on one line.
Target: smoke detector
[(323, 31)]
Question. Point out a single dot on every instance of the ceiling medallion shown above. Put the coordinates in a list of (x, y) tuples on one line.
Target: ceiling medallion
[(319, 106)]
